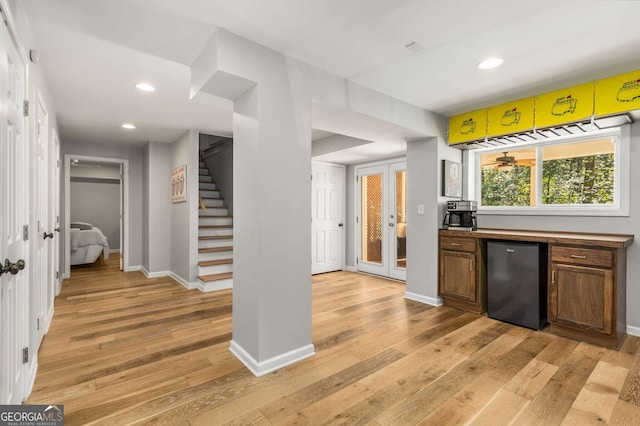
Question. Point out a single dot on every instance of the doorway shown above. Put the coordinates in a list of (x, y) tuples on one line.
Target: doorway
[(381, 219), (108, 172)]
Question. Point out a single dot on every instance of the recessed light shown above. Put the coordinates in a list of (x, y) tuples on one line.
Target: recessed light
[(489, 63), (128, 126), (145, 87)]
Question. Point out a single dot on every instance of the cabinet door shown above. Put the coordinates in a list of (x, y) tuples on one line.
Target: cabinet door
[(582, 297), (458, 275)]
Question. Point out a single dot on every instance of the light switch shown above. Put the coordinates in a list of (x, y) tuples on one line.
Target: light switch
[(420, 208)]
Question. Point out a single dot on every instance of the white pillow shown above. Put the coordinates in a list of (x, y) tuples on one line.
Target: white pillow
[(81, 225)]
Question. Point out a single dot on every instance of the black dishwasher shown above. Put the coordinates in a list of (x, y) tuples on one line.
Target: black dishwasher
[(517, 283)]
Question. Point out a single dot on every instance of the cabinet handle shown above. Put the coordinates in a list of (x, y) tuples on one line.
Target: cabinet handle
[(471, 265), (575, 256), (553, 277), (456, 244)]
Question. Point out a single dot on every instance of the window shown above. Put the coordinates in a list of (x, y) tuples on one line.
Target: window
[(584, 175)]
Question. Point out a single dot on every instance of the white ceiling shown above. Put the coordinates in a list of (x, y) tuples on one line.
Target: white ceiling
[(93, 51)]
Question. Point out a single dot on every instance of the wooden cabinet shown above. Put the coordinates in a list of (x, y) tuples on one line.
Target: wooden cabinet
[(587, 293), (584, 297), (462, 283)]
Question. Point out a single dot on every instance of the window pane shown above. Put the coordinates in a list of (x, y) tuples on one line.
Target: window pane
[(579, 173), (509, 178)]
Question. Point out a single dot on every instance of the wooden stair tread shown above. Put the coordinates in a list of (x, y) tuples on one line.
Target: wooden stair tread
[(216, 215), (216, 277), (216, 262), (216, 237), (214, 226), (215, 249)]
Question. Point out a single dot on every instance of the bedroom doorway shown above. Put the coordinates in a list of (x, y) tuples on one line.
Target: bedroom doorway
[(96, 206)]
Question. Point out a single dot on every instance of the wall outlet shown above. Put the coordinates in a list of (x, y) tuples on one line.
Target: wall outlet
[(420, 208)]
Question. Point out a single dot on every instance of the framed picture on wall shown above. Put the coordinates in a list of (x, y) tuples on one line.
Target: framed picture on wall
[(451, 179), (179, 184)]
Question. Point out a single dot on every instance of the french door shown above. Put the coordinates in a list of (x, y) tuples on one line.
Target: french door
[(381, 220)]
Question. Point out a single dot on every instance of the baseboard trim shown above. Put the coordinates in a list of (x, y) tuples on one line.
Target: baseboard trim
[(112, 251), (154, 274), (260, 368), (423, 299), (135, 268), (350, 268), (186, 284), (33, 370), (633, 331)]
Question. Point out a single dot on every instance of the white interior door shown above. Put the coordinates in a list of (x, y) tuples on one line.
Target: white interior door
[(381, 220), (41, 235), (327, 217), (14, 217)]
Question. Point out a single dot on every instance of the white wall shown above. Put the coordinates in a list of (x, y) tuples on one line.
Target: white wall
[(272, 97), (350, 226), (98, 203), (158, 223), (144, 263), (184, 216), (615, 225), (422, 229)]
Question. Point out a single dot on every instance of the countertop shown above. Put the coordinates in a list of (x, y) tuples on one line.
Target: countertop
[(580, 238)]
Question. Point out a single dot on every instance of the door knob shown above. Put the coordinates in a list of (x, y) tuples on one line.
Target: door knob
[(12, 268), (391, 223), (340, 224), (57, 229), (50, 235)]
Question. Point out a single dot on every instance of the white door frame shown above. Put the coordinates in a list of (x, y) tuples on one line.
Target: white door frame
[(392, 258), (386, 267), (67, 206), (341, 213), (55, 204), (39, 206)]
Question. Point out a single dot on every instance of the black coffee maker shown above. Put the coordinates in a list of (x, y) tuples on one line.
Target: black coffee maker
[(461, 215)]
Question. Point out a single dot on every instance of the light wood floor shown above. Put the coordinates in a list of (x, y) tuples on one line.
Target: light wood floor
[(123, 349)]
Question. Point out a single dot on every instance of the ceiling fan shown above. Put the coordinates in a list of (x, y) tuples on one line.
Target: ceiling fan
[(506, 162)]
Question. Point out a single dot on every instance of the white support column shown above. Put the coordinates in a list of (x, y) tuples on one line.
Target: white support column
[(272, 200)]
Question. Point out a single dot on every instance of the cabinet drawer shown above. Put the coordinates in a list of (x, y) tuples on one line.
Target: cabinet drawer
[(582, 256), (458, 244)]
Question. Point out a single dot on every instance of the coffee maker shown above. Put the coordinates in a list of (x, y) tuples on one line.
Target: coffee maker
[(461, 215)]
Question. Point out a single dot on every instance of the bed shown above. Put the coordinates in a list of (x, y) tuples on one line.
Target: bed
[(88, 244)]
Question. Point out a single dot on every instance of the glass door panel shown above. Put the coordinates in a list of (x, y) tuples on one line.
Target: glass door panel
[(401, 220), (372, 195)]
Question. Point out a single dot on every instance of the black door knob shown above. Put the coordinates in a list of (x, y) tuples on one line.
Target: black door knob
[(57, 229), (50, 235), (17, 267), (340, 224), (12, 268)]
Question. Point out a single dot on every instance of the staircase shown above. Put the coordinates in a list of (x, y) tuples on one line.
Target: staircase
[(215, 237)]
